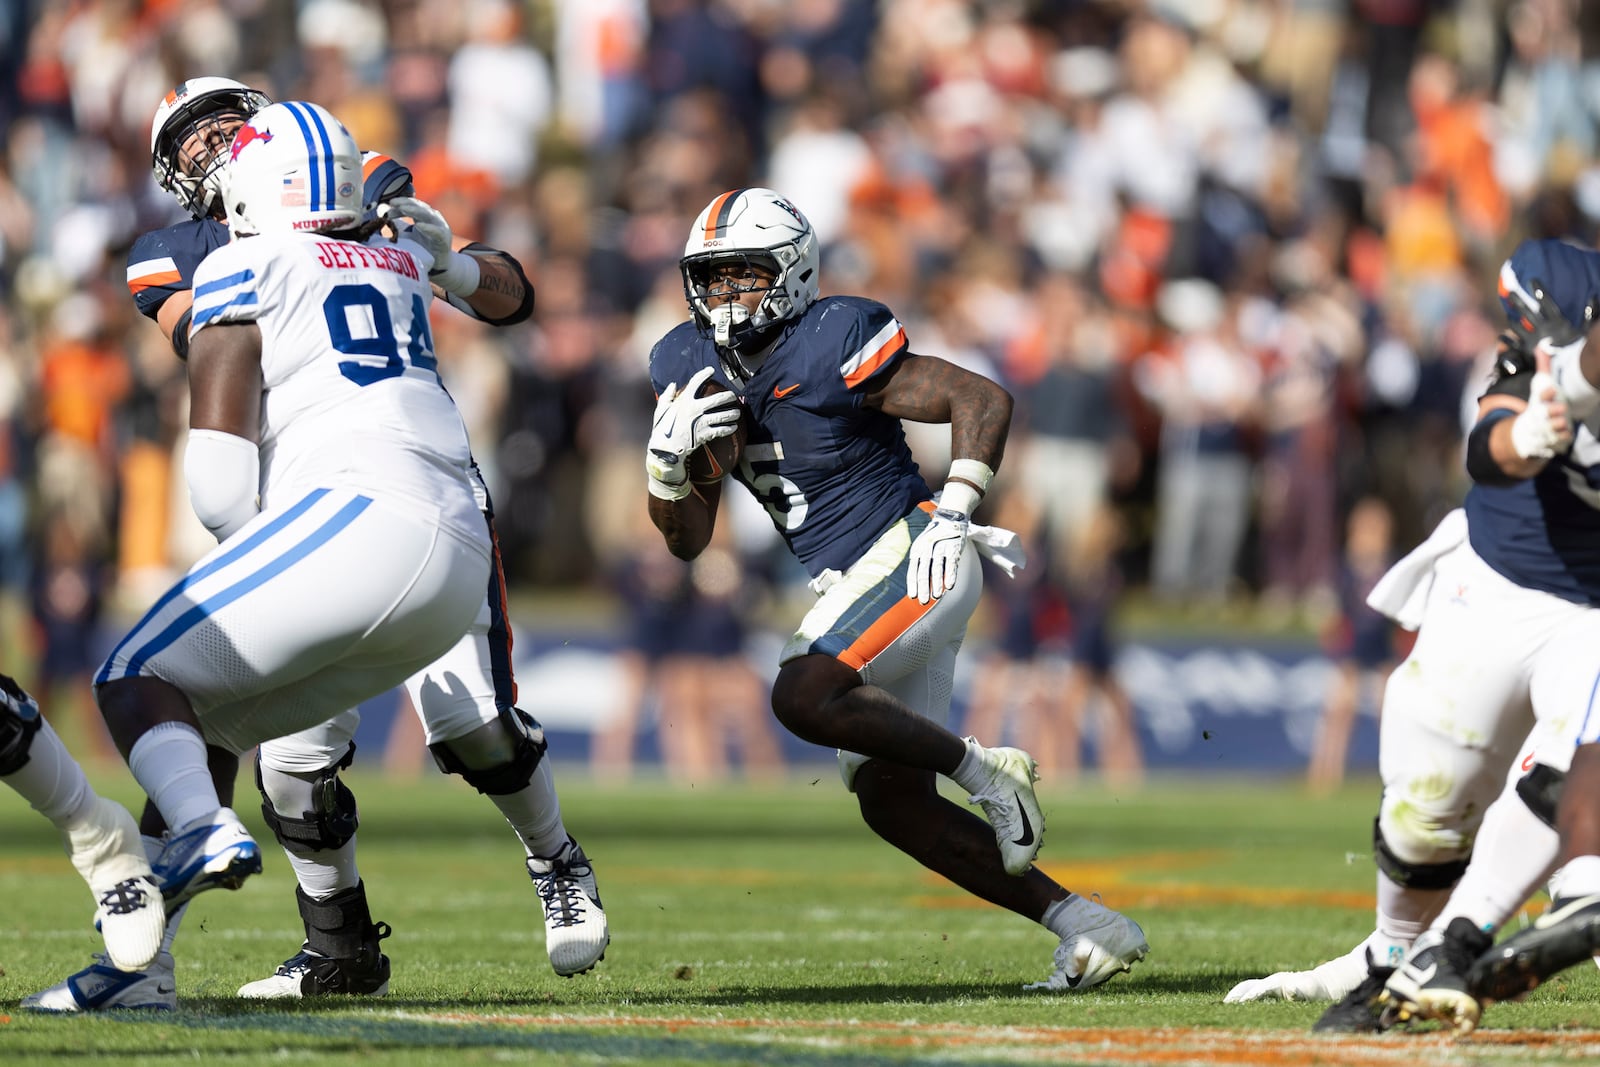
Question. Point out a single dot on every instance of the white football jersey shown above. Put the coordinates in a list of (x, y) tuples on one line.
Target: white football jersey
[(351, 395)]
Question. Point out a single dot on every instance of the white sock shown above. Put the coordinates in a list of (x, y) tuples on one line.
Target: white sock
[(1402, 915), (1513, 852), (972, 773), (534, 813), (1580, 877), (1066, 917), (52, 781), (326, 871), (169, 762)]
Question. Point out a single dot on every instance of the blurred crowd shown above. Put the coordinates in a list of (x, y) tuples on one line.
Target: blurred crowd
[(1235, 258)]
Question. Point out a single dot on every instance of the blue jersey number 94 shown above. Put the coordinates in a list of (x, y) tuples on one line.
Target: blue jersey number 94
[(366, 306)]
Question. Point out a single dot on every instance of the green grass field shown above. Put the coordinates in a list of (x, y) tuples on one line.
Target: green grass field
[(766, 924)]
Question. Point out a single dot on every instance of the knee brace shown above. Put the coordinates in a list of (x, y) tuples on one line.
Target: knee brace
[(16, 735), (1414, 875), (331, 820), (497, 759), (1540, 789)]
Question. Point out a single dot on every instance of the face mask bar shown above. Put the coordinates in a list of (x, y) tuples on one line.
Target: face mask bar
[(188, 176)]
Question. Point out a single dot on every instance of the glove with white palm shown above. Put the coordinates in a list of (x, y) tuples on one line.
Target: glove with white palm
[(936, 554), (683, 422), (454, 272)]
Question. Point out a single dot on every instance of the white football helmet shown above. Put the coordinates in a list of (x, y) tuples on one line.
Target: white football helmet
[(756, 227), (187, 162), (294, 167)]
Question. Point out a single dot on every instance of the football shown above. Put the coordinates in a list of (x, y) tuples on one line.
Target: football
[(712, 461)]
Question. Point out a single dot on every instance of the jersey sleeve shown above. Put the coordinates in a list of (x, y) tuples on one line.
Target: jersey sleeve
[(155, 273), (873, 343), (227, 288)]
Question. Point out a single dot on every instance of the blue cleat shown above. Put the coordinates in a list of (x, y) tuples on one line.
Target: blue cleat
[(102, 987), (217, 853)]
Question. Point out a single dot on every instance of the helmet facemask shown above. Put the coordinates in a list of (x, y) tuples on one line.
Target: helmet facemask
[(731, 323), (191, 148)]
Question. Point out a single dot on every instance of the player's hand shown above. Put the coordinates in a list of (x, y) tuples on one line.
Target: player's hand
[(454, 272), (428, 227), (683, 422), (1543, 430), (935, 555)]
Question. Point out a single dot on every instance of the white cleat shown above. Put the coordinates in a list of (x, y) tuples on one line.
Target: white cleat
[(106, 849), (1332, 980), (214, 853), (102, 987), (1013, 811), (1104, 944), (575, 929)]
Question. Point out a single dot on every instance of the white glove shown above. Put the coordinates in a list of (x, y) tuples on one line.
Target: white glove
[(454, 272), (683, 422), (935, 555), (1543, 430)]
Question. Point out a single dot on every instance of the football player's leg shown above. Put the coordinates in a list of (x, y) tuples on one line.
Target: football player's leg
[(313, 815), (222, 658), (1454, 714), (466, 701), (1569, 931), (100, 836)]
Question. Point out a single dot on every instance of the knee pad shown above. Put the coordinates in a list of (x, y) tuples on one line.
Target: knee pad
[(1540, 790), (17, 728), (496, 762), (1414, 875), (329, 821)]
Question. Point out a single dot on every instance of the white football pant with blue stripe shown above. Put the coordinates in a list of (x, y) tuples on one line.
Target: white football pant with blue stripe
[(311, 608)]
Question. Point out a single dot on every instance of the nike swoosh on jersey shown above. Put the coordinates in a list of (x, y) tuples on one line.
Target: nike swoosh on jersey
[(1027, 828), (779, 394)]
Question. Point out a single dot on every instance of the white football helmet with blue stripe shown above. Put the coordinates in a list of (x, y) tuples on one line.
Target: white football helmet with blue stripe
[(293, 167)]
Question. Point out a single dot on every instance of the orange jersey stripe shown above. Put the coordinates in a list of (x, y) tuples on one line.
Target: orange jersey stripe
[(148, 281), (378, 159), (883, 633), (886, 351), (713, 211)]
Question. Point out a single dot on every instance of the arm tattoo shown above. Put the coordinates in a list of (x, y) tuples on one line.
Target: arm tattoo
[(928, 389)]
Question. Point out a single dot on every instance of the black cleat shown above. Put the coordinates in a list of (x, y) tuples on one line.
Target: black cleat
[(1568, 933), (1361, 1010), (1432, 982)]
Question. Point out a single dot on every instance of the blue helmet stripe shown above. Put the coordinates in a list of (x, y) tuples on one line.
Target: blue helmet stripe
[(320, 149)]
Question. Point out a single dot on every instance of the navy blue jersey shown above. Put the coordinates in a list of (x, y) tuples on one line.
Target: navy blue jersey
[(162, 263), (832, 474), (1544, 533)]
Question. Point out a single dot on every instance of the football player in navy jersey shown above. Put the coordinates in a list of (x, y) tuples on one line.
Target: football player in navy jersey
[(821, 387), (1503, 597), (1552, 471), (472, 725)]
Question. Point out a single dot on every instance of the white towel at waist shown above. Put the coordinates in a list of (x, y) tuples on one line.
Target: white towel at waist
[(1402, 592)]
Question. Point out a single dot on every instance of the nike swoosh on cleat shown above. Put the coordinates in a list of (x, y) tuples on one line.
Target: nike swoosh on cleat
[(1027, 828), (779, 394)]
